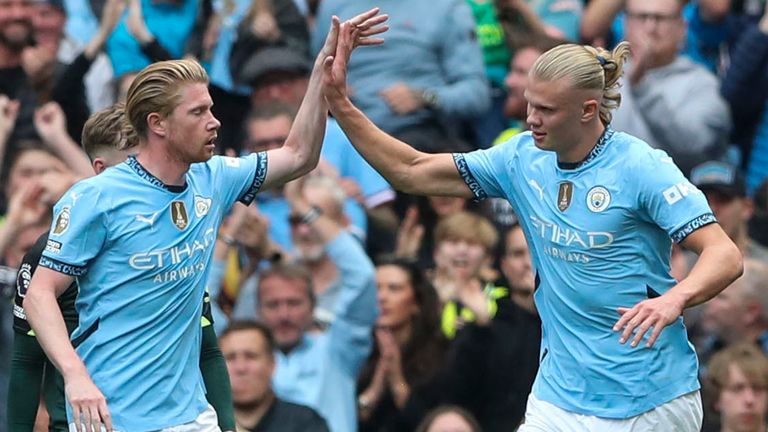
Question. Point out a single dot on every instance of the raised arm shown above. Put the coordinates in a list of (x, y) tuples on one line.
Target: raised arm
[(301, 151), (403, 166)]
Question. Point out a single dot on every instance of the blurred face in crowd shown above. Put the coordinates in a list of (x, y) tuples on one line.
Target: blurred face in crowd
[(267, 134), (30, 166), (516, 266), (655, 27), (450, 422), (460, 258), (556, 112), (309, 246), (732, 212), (250, 365), (397, 300), (23, 243), (279, 86), (445, 206), (15, 24), (516, 82), (742, 404), (48, 22), (285, 307), (728, 313), (191, 128)]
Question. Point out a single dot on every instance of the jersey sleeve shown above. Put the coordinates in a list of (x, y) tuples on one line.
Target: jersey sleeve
[(78, 231), (669, 199), (486, 171), (240, 178)]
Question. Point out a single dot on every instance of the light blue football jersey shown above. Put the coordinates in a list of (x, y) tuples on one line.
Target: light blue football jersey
[(600, 237), (140, 251)]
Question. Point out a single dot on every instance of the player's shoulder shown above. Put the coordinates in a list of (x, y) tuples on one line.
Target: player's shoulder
[(634, 153)]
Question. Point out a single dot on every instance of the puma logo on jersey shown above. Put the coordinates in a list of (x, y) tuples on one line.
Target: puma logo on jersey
[(149, 220), (534, 184)]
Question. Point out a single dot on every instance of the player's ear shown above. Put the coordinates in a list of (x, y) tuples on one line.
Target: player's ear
[(589, 110), (98, 165), (156, 124)]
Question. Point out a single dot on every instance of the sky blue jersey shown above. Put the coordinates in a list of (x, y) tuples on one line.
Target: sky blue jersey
[(140, 251), (600, 235)]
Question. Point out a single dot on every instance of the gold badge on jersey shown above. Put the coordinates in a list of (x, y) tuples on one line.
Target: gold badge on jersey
[(564, 195), (179, 215)]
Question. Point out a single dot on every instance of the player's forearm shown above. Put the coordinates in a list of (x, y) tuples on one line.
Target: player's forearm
[(393, 159), (44, 316), (717, 267), (308, 131)]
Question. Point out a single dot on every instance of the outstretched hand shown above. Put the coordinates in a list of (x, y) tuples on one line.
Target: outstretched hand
[(341, 41)]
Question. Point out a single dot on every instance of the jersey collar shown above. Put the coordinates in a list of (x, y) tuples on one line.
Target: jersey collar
[(148, 176), (596, 150)]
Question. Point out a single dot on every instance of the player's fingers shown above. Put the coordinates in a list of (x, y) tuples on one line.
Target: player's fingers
[(657, 328), (641, 332), (626, 315), (76, 417), (373, 22), (106, 417), (370, 41), (95, 418), (363, 17), (631, 324)]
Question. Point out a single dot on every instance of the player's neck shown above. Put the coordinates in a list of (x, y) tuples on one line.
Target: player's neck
[(161, 164), (578, 151)]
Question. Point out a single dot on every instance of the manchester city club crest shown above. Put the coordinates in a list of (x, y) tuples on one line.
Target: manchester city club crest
[(179, 215), (202, 206), (598, 199), (564, 195)]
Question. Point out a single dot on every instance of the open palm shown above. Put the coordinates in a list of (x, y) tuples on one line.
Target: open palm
[(341, 41)]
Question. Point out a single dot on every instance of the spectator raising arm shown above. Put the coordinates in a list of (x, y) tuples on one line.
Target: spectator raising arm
[(9, 110), (51, 125)]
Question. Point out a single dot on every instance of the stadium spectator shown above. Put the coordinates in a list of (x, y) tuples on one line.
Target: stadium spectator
[(726, 192), (739, 313), (397, 382), (310, 249), (745, 87), (267, 127), (248, 349), (318, 367), (667, 100), (449, 419), (240, 31), (428, 75), (518, 270), (737, 390), (464, 246)]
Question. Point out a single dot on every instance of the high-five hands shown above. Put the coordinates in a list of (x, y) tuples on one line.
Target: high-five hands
[(342, 40)]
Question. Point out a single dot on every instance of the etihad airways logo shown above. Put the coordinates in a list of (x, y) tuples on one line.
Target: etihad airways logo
[(566, 236), (166, 257)]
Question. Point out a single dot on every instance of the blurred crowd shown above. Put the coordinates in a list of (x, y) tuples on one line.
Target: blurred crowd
[(420, 316)]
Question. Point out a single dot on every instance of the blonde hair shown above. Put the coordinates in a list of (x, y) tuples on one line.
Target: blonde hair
[(469, 227), (588, 68), (156, 90)]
